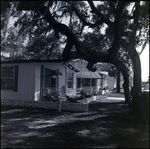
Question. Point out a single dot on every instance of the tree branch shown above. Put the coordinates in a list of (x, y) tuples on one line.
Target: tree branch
[(99, 22), (91, 56), (105, 20), (116, 42), (80, 16)]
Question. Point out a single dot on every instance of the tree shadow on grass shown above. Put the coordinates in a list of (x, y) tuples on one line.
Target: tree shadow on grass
[(109, 126)]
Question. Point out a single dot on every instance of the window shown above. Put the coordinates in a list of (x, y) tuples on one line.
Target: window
[(94, 82), (78, 82), (86, 82), (9, 78), (70, 80), (47, 77)]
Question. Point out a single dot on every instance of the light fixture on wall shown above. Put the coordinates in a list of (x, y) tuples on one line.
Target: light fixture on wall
[(53, 76)]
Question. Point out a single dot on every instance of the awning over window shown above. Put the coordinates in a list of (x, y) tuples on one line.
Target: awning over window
[(88, 74), (103, 72), (71, 67)]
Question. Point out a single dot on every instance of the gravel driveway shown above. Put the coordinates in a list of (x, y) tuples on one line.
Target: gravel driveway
[(106, 125)]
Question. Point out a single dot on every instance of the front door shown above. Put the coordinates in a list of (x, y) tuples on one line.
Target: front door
[(50, 81)]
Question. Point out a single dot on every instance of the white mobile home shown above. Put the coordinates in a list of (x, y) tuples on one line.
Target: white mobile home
[(27, 79), (87, 81)]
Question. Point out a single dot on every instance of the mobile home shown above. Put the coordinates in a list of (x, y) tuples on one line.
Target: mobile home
[(27, 79)]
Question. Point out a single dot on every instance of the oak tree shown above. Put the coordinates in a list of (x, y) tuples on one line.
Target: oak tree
[(117, 28)]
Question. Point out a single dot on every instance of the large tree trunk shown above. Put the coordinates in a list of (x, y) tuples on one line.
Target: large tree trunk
[(126, 89), (125, 74), (134, 55), (137, 75), (118, 81), (138, 106)]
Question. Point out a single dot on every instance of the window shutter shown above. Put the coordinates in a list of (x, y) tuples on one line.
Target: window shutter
[(16, 79), (41, 81), (42, 73), (57, 80)]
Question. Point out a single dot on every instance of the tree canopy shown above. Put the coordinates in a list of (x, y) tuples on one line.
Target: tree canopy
[(111, 25)]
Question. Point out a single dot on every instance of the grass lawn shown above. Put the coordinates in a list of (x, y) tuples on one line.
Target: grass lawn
[(106, 125)]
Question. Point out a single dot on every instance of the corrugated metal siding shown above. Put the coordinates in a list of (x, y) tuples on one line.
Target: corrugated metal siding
[(26, 83)]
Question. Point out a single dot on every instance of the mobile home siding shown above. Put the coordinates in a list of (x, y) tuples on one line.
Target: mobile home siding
[(26, 83), (38, 76)]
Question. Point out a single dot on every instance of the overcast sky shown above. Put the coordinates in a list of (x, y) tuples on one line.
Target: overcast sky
[(145, 63)]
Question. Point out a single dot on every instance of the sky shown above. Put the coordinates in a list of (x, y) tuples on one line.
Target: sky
[(144, 57)]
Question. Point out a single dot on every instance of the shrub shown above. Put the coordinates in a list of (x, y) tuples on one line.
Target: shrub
[(85, 95), (76, 98), (50, 96), (72, 99)]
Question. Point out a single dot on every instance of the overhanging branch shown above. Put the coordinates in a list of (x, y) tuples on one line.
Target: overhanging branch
[(105, 20)]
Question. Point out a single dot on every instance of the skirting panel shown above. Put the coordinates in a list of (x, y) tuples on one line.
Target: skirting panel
[(65, 106), (82, 105)]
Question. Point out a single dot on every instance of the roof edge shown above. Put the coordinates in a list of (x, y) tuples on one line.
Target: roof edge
[(32, 61)]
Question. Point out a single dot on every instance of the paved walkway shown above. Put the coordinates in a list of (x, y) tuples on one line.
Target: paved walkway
[(115, 94), (112, 100), (116, 98)]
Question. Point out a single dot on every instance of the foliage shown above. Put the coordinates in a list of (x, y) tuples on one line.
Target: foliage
[(72, 99), (76, 98), (30, 36), (84, 94), (50, 96)]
